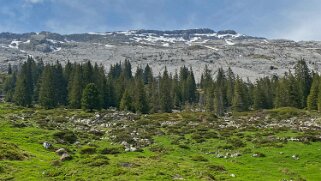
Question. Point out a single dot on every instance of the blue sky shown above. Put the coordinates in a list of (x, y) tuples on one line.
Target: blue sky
[(291, 19)]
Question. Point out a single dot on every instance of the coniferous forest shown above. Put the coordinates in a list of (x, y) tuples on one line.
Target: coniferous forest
[(90, 87)]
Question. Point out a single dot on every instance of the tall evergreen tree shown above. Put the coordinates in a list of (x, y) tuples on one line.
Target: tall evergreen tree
[(312, 101), (141, 104), (23, 90), (165, 95), (126, 102), (90, 98), (75, 88), (239, 98), (47, 94), (9, 87), (303, 82)]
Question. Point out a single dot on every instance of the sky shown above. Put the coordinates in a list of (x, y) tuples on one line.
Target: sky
[(288, 19)]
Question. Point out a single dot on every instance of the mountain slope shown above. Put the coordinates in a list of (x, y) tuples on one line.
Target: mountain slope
[(248, 56)]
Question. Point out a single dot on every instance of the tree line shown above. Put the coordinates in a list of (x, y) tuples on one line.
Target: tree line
[(88, 86)]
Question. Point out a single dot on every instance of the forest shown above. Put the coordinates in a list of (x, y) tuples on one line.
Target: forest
[(90, 87)]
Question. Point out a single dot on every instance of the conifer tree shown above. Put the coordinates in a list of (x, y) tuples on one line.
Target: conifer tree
[(47, 94), (141, 104), (165, 95), (9, 69), (303, 82), (126, 102), (148, 75), (9, 87), (312, 101), (23, 90), (60, 84), (90, 98), (218, 102), (191, 87), (230, 86), (239, 102), (75, 88)]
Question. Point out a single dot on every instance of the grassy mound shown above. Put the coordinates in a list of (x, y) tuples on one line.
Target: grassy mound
[(10, 151)]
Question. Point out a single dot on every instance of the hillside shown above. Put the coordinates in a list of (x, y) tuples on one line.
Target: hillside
[(112, 145), (248, 56)]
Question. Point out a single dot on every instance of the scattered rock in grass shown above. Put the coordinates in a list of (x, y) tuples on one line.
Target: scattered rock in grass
[(61, 151), (258, 155), (295, 157), (177, 177), (65, 157), (47, 145), (232, 175)]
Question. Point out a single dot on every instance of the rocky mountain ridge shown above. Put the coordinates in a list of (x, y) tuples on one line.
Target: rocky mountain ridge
[(250, 57)]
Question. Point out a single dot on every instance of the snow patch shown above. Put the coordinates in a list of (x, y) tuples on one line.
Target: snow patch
[(229, 42), (165, 44), (54, 41), (213, 48), (15, 44), (97, 33), (26, 42), (109, 46)]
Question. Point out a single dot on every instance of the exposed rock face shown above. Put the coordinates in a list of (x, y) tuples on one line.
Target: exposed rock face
[(248, 56)]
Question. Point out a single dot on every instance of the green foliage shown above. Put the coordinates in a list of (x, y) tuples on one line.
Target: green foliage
[(10, 151), (47, 96), (90, 98)]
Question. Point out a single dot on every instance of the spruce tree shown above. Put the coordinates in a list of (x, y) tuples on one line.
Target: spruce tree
[(126, 102), (47, 94), (75, 88), (239, 98), (9, 87), (303, 82), (90, 98), (165, 94), (141, 104), (23, 91), (312, 102), (218, 102)]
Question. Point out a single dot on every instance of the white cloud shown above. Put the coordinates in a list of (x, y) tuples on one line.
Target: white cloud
[(34, 1)]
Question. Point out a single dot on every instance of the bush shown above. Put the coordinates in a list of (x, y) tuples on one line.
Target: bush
[(65, 137), (99, 160), (237, 143), (199, 158), (88, 150), (184, 147), (217, 168), (113, 150), (10, 151)]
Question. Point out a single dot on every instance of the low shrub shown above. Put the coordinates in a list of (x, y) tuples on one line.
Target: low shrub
[(113, 150), (217, 168), (10, 151), (88, 150), (65, 137), (199, 158)]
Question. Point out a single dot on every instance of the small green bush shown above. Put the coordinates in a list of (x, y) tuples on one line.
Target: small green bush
[(65, 137), (199, 158), (112, 150), (88, 150), (10, 151)]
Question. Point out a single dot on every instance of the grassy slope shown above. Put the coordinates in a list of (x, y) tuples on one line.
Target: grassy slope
[(165, 159)]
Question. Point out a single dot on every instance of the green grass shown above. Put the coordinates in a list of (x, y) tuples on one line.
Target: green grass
[(187, 149)]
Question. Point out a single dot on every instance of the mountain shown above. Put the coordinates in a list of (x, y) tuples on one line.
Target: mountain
[(250, 57)]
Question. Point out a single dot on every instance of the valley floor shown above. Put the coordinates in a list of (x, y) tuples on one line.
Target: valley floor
[(281, 144)]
